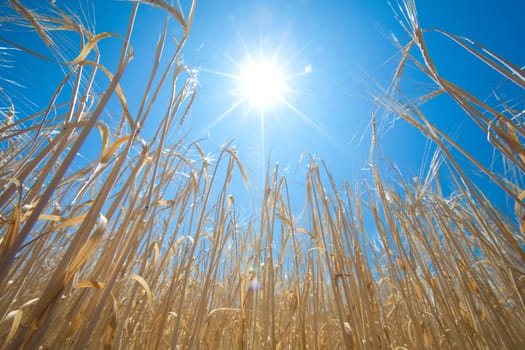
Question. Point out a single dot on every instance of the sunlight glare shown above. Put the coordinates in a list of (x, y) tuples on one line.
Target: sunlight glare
[(262, 84)]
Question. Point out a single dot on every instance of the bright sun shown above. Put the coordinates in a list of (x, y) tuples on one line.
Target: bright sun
[(262, 84)]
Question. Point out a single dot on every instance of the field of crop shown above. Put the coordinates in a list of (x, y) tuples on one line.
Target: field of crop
[(142, 246)]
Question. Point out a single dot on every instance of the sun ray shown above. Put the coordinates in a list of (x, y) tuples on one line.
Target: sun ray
[(234, 106), (237, 63), (219, 73), (244, 46), (295, 54), (310, 121)]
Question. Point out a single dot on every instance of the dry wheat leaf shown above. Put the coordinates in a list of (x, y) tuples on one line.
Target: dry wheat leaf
[(104, 135), (517, 204), (54, 218), (303, 230), (156, 253), (87, 250), (107, 153), (71, 222), (12, 230), (118, 89), (90, 284), (34, 23), (89, 46), (230, 201), (17, 318), (144, 285), (166, 6)]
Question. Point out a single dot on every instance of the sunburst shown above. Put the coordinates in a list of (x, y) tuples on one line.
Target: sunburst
[(262, 83), (265, 84)]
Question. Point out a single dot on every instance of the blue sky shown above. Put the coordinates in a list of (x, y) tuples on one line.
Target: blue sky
[(348, 46), (338, 50)]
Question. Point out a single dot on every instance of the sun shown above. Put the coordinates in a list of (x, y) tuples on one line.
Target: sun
[(262, 84)]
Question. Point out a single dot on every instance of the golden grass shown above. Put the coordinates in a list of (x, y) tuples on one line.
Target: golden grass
[(144, 247)]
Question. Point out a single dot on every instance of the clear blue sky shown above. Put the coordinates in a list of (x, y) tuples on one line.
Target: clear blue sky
[(348, 48), (347, 44)]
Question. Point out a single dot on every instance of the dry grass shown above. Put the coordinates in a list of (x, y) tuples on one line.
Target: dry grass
[(142, 247)]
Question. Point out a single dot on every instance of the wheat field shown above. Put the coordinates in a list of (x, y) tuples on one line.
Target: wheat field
[(143, 246)]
